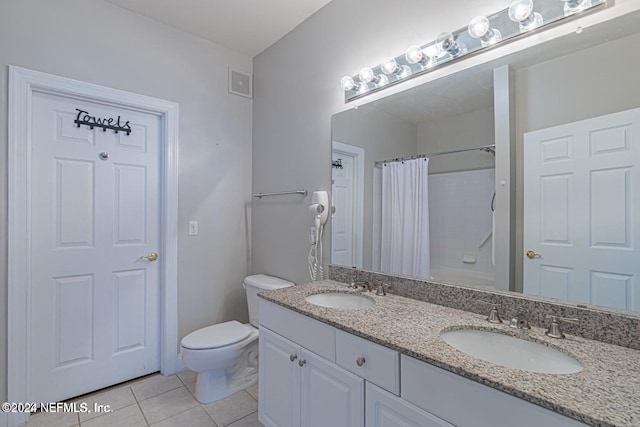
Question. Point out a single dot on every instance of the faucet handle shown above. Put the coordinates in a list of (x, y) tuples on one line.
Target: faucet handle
[(382, 287), (494, 315), (554, 330)]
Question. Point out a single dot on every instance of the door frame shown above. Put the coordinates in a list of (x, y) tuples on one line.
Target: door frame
[(357, 153), (23, 83)]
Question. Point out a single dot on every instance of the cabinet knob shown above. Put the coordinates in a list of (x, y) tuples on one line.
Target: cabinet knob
[(360, 361), (293, 357), (301, 362)]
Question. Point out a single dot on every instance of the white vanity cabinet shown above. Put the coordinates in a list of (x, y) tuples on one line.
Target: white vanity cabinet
[(383, 409), (312, 374), (466, 403), (297, 387), (279, 385), (374, 363), (330, 395)]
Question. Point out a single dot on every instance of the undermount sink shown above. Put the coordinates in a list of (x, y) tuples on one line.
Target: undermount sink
[(511, 352), (341, 300)]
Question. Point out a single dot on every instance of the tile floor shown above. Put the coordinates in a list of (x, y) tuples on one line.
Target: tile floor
[(158, 401)]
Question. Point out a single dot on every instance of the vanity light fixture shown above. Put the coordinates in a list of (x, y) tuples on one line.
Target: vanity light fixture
[(446, 44), (347, 83), (575, 6), (482, 32), (415, 55), (390, 66), (521, 11), (480, 28)]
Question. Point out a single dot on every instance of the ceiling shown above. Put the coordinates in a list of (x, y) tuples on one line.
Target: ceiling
[(246, 26)]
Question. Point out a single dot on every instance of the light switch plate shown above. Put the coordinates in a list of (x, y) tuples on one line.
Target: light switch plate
[(193, 228)]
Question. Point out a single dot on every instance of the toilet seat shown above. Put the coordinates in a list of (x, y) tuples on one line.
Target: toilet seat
[(216, 336)]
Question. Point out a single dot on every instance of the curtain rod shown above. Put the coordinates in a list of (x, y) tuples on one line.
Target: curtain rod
[(490, 148)]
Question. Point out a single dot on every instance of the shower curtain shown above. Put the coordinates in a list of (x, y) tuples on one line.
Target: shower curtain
[(404, 236)]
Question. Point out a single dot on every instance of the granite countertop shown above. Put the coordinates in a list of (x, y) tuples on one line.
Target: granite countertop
[(605, 393)]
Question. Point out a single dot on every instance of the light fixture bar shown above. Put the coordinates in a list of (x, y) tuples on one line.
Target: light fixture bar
[(483, 32)]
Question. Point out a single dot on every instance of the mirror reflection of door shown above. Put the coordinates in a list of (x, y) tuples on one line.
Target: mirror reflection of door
[(581, 211), (347, 192)]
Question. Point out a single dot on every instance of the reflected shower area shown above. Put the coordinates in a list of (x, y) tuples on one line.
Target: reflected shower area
[(434, 225), (413, 184)]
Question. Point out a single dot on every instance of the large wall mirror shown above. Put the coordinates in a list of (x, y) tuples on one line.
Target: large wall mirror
[(414, 174)]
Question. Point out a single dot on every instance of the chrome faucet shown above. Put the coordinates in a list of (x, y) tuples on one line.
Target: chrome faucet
[(519, 322), (365, 285)]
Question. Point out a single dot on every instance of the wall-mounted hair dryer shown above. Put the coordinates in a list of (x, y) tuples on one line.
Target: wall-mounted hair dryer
[(320, 206), (316, 210), (320, 210)]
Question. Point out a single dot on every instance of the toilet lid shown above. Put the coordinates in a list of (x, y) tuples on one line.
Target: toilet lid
[(215, 336)]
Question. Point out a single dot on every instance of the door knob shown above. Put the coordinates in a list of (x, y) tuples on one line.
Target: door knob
[(360, 361), (153, 256), (293, 357), (532, 255), (301, 362)]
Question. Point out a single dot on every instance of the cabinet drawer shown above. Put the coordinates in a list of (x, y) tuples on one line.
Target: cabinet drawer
[(384, 409), (380, 365), (304, 331), (466, 403)]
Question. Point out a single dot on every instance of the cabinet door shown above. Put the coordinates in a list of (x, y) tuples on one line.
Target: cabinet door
[(279, 381), (386, 410), (331, 396)]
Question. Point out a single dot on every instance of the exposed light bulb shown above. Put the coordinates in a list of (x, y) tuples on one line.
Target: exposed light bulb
[(389, 65), (362, 88), (367, 75), (446, 43), (521, 11), (415, 55), (405, 71), (575, 6), (382, 80), (347, 83), (480, 28)]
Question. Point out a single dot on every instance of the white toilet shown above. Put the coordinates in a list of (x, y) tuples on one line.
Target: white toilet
[(225, 355)]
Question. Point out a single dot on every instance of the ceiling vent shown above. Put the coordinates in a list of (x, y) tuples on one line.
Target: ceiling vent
[(240, 83)]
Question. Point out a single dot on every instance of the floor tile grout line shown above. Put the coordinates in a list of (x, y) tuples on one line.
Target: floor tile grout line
[(209, 415), (244, 416), (139, 407), (201, 405), (174, 415)]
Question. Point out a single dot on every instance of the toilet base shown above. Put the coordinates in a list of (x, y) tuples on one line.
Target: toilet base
[(213, 385), (216, 384)]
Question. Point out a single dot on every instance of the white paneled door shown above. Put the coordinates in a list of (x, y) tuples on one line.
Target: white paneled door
[(582, 210), (342, 221), (94, 317), (347, 192)]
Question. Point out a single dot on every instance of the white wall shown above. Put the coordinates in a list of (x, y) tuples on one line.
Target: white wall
[(467, 130), (93, 41), (296, 92), (383, 137)]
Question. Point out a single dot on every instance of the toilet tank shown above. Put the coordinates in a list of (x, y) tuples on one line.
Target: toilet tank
[(258, 283)]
